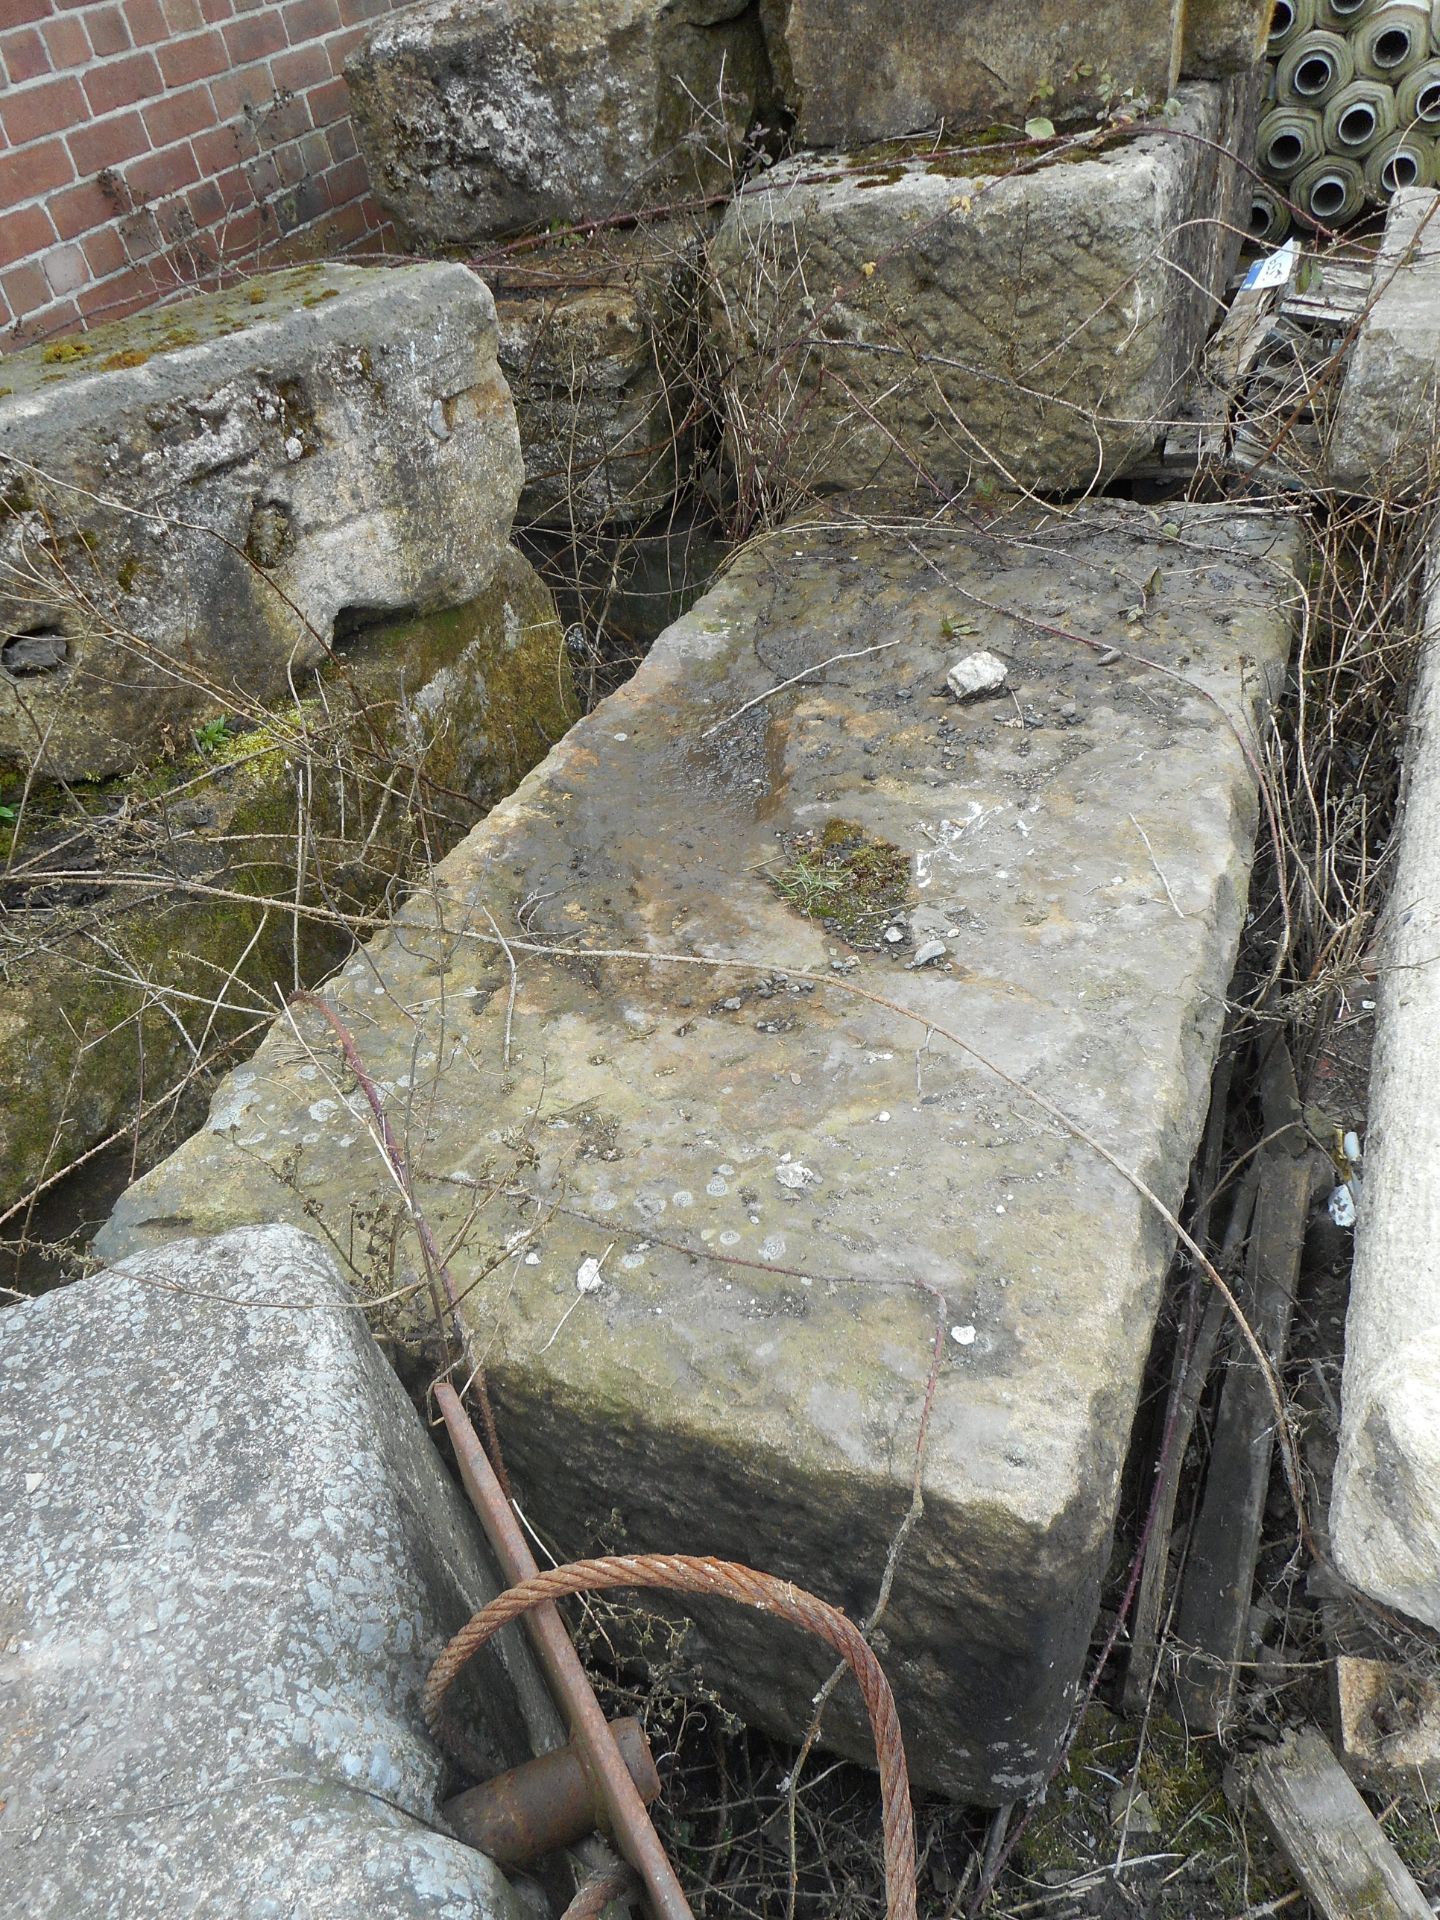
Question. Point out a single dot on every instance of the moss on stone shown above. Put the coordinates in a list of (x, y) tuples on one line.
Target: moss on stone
[(845, 878), (130, 342), (468, 698)]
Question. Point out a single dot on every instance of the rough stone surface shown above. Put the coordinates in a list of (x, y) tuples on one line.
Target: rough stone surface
[(1385, 1507), (228, 1553), (109, 996), (598, 344), (483, 117), (1387, 418), (1387, 1721), (196, 493), (854, 72), (1223, 37), (1088, 287), (774, 1170)]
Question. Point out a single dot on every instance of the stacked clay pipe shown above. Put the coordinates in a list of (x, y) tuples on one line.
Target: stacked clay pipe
[(1353, 112)]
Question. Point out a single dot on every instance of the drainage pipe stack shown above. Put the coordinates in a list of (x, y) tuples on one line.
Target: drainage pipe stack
[(1354, 87)]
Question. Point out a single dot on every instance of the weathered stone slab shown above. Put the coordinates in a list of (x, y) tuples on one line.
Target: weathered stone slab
[(189, 498), (854, 72), (111, 994), (903, 315), (598, 345), (1223, 37), (228, 1553), (774, 1170), (1385, 1504), (1387, 418), (480, 118)]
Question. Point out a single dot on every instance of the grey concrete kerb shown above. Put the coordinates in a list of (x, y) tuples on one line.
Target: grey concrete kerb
[(228, 1553), (1385, 1512)]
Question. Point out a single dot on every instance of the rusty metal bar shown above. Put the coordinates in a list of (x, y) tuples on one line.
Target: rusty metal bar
[(630, 1824), (519, 1816)]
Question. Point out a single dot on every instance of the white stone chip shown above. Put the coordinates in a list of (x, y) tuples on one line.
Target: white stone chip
[(975, 674)]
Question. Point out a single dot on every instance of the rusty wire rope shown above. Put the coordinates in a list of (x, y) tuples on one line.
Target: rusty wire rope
[(724, 1579)]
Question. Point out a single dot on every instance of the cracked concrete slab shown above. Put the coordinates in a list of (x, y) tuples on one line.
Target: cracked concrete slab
[(783, 1148)]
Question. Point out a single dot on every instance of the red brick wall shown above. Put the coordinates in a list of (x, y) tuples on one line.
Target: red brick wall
[(143, 142)]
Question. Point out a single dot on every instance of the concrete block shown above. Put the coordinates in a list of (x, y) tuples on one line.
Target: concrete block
[(228, 1553), (190, 498), (853, 70), (909, 319), (480, 118), (788, 1182), (1387, 418)]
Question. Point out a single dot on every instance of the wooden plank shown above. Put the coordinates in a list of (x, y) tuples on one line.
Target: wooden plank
[(1333, 1842), (1190, 1369), (1213, 1617)]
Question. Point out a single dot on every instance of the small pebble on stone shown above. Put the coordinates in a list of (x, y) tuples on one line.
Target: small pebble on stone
[(976, 674), (931, 951)]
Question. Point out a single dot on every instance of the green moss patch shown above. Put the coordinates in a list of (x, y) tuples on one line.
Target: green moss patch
[(846, 879), (1152, 1794)]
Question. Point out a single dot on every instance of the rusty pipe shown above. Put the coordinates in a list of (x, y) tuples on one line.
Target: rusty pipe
[(629, 1823), (520, 1816)]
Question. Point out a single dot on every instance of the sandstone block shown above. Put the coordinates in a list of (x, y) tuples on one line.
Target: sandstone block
[(189, 499), (852, 73), (228, 1553), (802, 1197), (1387, 1722), (1387, 418), (598, 345), (484, 117), (1223, 37), (917, 318)]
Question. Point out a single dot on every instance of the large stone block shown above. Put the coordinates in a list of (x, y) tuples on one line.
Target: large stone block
[(1223, 37), (1385, 1510), (852, 71), (1386, 428), (907, 316), (484, 117), (113, 994), (190, 498), (228, 1553), (785, 1179), (598, 343)]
